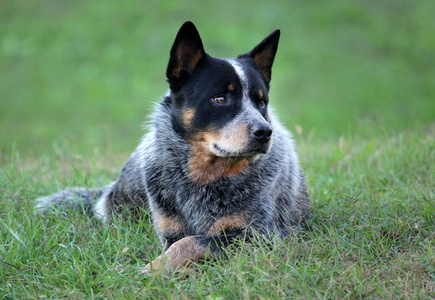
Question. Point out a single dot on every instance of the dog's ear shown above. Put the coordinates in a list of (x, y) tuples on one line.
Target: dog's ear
[(264, 54), (186, 52)]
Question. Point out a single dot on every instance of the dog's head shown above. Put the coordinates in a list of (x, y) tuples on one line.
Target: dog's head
[(220, 106)]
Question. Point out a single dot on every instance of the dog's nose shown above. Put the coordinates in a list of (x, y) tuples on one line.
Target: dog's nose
[(262, 132)]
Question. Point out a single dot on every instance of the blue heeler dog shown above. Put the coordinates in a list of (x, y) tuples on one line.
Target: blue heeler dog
[(215, 164)]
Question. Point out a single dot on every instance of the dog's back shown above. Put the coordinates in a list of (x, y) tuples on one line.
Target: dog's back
[(216, 160)]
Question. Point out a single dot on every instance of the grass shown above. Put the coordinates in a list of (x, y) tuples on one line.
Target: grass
[(352, 80), (88, 72), (371, 233)]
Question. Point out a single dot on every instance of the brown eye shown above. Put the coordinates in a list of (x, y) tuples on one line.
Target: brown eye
[(219, 100)]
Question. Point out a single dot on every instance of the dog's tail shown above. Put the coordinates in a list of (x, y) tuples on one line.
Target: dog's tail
[(79, 199)]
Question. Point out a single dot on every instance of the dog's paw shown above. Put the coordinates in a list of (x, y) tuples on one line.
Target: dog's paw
[(155, 268), (146, 271)]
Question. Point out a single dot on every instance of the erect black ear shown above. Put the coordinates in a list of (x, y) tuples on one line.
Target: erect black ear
[(264, 54), (186, 52)]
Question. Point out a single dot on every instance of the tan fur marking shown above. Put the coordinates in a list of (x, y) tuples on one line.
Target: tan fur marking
[(227, 223), (231, 87), (260, 93), (178, 256), (167, 224), (187, 59), (262, 59), (176, 71), (234, 139), (187, 116), (205, 167)]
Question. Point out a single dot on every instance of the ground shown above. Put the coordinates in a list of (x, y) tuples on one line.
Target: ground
[(352, 80)]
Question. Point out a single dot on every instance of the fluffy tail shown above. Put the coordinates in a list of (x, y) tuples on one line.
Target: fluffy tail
[(80, 199)]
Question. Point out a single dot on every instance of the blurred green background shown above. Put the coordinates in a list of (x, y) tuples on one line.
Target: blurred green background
[(87, 72)]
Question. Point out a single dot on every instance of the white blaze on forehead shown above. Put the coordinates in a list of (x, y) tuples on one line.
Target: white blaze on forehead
[(242, 76), (248, 106)]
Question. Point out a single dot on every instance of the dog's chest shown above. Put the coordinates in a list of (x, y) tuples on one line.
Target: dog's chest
[(200, 207), (203, 209)]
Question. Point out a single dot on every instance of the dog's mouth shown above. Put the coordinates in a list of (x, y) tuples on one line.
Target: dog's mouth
[(249, 154)]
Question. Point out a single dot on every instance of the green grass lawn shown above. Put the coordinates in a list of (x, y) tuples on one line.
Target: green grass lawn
[(354, 81)]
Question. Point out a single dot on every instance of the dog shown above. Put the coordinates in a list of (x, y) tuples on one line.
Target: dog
[(216, 164)]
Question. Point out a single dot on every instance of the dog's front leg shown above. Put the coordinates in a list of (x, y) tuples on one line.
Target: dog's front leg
[(179, 255), (190, 249)]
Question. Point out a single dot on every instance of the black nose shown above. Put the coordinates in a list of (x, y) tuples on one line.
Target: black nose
[(262, 132)]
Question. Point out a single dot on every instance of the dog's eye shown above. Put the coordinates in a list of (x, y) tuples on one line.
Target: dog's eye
[(219, 100), (262, 104)]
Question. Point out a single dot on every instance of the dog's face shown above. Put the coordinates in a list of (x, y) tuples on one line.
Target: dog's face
[(220, 106)]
